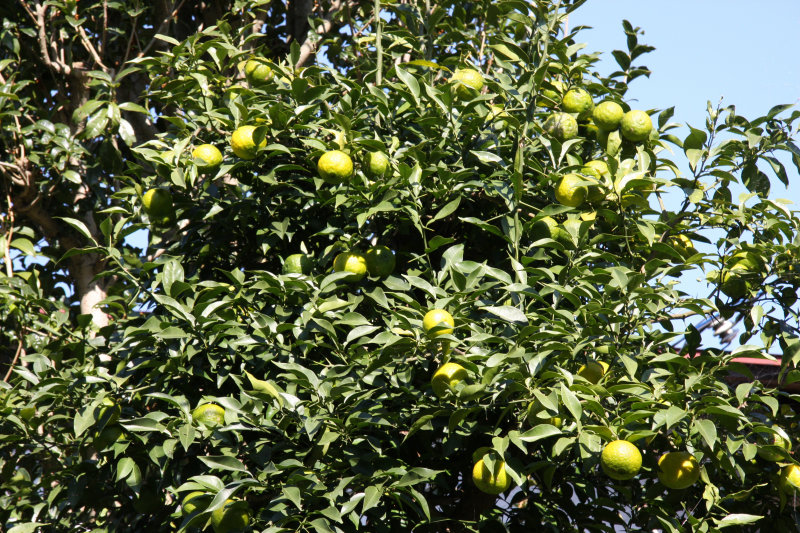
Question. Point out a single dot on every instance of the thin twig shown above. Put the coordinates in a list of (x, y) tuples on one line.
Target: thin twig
[(10, 235), (91, 49), (161, 28), (19, 352)]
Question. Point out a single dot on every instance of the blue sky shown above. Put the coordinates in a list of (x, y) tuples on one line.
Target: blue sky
[(742, 51)]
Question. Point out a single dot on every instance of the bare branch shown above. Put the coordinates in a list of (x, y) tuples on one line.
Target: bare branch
[(160, 28), (91, 49), (20, 351), (308, 48), (54, 64)]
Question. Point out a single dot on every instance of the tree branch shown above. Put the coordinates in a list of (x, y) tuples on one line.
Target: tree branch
[(308, 48)]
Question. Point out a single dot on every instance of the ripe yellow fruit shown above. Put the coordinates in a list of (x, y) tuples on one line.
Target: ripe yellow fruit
[(551, 97), (596, 171), (731, 281), (207, 157), (352, 262), (779, 438), (543, 228), (297, 264), (158, 204), (335, 167), (436, 322), (495, 481), (243, 144), (621, 460), (380, 261), (108, 412), (195, 501), (562, 126), (593, 371), (446, 377), (533, 416), (257, 71), (683, 245), (678, 470), (570, 191), (377, 164), (790, 479), (636, 125), (579, 101), (232, 516), (608, 115), (469, 82), (209, 414)]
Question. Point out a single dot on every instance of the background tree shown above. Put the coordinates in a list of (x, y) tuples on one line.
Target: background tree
[(324, 417)]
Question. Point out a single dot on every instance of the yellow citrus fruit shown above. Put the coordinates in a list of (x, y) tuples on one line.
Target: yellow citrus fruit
[(608, 115), (579, 101), (352, 262), (570, 191), (468, 81), (297, 264), (636, 125), (207, 157), (435, 322), (380, 261), (678, 470), (158, 204), (196, 501), (621, 460), (243, 144), (779, 438), (551, 97), (335, 167), (446, 377), (498, 116), (790, 478), (596, 171), (491, 481), (234, 515), (683, 245), (257, 71), (562, 126), (108, 412), (593, 370), (746, 260), (588, 129), (543, 229), (732, 283), (599, 166), (377, 164), (209, 414), (534, 416)]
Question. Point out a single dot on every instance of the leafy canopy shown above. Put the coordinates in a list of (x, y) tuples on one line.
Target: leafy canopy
[(328, 419)]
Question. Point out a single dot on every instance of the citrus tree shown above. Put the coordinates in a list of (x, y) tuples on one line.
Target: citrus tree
[(367, 266)]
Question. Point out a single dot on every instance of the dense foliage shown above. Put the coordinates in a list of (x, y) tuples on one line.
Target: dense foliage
[(118, 324)]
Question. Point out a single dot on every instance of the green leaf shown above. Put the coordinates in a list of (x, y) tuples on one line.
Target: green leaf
[(572, 403), (447, 210), (539, 432), (265, 387), (27, 527), (372, 496), (223, 462), (708, 430), (80, 227), (507, 313), (737, 520)]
